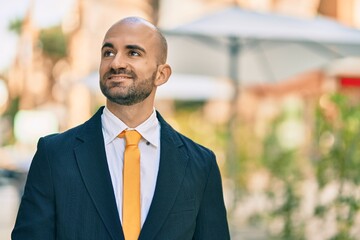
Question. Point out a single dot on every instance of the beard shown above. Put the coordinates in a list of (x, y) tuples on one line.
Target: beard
[(137, 92)]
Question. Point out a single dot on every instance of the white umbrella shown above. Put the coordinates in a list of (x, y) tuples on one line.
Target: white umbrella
[(195, 88), (252, 47)]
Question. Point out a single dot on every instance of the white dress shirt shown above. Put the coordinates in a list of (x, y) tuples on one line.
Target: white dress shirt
[(149, 146)]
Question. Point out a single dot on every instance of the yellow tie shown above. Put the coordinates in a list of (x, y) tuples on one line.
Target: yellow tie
[(131, 188)]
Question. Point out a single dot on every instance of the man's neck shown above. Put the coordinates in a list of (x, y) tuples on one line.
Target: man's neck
[(132, 115)]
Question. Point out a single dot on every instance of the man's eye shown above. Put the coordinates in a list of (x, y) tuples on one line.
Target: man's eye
[(108, 54), (134, 53)]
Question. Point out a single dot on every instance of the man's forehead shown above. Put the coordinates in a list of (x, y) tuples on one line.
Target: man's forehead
[(131, 33), (129, 30)]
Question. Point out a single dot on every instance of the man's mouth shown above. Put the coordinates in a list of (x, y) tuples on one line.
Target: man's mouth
[(119, 77)]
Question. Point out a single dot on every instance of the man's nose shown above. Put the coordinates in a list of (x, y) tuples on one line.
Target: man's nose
[(119, 61)]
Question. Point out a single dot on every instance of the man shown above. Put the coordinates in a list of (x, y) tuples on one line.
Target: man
[(76, 183)]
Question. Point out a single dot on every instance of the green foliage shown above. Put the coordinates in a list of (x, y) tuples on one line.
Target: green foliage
[(338, 159), (285, 167), (10, 114), (16, 25), (332, 159), (53, 42), (188, 106)]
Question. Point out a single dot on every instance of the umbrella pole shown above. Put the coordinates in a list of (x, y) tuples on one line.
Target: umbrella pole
[(232, 153)]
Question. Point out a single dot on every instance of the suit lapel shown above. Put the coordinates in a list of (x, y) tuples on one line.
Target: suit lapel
[(91, 158), (173, 162)]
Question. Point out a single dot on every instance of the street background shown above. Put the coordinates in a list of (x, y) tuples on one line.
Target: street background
[(271, 86)]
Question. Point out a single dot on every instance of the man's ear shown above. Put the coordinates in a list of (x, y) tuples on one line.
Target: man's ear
[(163, 74)]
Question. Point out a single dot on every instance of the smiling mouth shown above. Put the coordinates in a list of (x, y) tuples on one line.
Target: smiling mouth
[(119, 77)]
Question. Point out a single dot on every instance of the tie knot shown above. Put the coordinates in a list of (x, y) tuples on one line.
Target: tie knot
[(132, 137)]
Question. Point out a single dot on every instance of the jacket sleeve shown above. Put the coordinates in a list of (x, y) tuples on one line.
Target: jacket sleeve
[(36, 216), (211, 221)]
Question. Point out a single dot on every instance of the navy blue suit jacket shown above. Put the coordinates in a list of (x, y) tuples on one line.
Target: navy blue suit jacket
[(69, 195)]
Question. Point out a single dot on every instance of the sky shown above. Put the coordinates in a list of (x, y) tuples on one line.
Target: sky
[(47, 13)]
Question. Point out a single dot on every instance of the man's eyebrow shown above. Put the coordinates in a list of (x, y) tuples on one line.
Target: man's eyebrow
[(107, 44), (135, 47)]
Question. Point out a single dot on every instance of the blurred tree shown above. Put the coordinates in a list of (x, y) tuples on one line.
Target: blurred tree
[(53, 42), (286, 168), (337, 160), (15, 25)]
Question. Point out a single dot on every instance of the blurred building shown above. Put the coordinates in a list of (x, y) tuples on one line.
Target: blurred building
[(40, 82), (28, 63)]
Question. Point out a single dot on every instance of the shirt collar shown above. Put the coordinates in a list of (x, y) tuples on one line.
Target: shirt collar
[(112, 126)]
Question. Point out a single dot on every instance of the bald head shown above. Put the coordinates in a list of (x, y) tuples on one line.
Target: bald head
[(137, 21)]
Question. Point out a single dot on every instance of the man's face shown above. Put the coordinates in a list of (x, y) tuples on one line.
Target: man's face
[(129, 63)]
